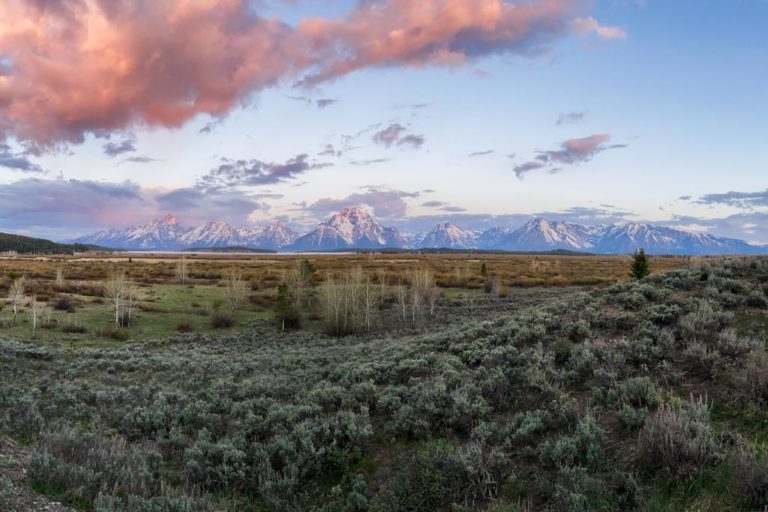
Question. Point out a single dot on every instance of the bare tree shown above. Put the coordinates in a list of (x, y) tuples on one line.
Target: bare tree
[(349, 304), (496, 287), (300, 280), (470, 299), (182, 270), (371, 297), (332, 304), (16, 294), (422, 288), (35, 312), (236, 288), (131, 298), (401, 300), (60, 282), (114, 290)]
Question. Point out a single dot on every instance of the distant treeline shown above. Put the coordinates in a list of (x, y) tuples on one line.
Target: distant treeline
[(26, 245)]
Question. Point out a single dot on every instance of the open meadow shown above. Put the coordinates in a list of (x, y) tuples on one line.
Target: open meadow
[(74, 309), (352, 383)]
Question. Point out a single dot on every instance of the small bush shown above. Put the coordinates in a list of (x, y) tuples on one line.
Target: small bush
[(581, 448), (757, 300), (221, 319), (678, 439), (753, 380), (117, 333), (184, 327), (701, 360), (751, 477), (64, 303), (74, 329)]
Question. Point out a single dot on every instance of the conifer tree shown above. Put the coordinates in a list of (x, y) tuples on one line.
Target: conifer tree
[(641, 266)]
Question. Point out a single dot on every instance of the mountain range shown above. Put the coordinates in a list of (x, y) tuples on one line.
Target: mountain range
[(354, 228)]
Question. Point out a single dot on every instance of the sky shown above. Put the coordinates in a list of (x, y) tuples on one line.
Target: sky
[(479, 112)]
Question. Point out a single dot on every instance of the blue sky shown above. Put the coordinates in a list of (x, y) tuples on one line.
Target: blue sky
[(665, 123)]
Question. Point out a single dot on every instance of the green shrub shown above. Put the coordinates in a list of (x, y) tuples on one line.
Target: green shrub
[(221, 319), (74, 329), (583, 447), (117, 333), (442, 476)]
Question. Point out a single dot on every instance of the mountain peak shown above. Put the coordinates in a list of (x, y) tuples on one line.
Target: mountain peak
[(351, 227), (447, 235), (167, 219)]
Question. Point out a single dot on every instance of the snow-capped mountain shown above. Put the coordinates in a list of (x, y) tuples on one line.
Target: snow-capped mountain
[(160, 234), (276, 236), (543, 235), (448, 236), (628, 237), (213, 234), (168, 234), (491, 238), (354, 228), (351, 228)]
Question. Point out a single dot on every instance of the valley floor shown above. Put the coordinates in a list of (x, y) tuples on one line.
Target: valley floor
[(647, 395)]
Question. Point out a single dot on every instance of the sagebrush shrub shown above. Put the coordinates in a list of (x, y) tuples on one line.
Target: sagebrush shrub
[(678, 440)]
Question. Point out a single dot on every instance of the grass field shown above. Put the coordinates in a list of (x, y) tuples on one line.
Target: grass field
[(164, 304)]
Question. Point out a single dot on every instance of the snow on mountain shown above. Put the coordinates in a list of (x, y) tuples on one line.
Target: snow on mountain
[(449, 236), (543, 235), (213, 234), (351, 228), (276, 236), (628, 237), (491, 238), (160, 234)]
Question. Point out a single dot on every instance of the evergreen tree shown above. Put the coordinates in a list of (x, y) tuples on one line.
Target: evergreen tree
[(286, 313), (641, 266)]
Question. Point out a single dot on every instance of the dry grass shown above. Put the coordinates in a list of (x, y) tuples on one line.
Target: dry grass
[(451, 270)]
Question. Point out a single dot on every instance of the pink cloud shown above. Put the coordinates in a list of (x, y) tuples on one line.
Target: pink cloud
[(73, 67), (589, 24)]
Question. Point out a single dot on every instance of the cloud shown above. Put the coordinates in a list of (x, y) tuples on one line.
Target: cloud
[(196, 206), (45, 206), (523, 169), (325, 102), (371, 161), (113, 149), (590, 24), (481, 153), (744, 200), (330, 150), (570, 152), (53, 203), (570, 118), (235, 173), (320, 103), (749, 226), (17, 161), (385, 203), (138, 159), (443, 206), (397, 135), (77, 67)]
